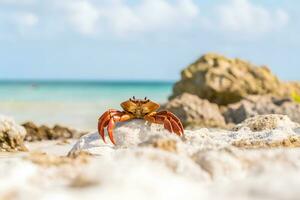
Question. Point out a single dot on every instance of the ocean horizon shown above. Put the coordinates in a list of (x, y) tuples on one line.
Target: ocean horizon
[(76, 103), (51, 89)]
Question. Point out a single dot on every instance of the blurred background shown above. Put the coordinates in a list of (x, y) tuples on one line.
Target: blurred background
[(67, 61)]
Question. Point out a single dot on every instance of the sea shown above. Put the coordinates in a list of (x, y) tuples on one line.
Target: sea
[(76, 104)]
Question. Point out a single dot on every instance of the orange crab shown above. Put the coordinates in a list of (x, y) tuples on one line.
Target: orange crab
[(138, 109)]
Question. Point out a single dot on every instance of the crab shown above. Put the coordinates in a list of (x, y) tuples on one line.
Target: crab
[(138, 109)]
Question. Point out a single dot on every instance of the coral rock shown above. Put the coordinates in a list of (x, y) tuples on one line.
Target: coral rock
[(11, 135)]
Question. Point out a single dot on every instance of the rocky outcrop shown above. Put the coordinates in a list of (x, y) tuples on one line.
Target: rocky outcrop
[(261, 105), (11, 135), (38, 133), (194, 111), (223, 80)]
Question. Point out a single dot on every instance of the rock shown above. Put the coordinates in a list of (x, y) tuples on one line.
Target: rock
[(223, 80), (11, 135), (194, 111), (266, 122), (126, 134), (258, 132), (38, 133), (260, 105), (266, 131)]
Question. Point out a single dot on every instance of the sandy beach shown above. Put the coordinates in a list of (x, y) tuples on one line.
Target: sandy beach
[(149, 100), (154, 164), (241, 138)]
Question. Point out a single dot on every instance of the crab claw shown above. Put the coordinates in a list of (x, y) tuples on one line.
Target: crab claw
[(104, 120), (108, 119)]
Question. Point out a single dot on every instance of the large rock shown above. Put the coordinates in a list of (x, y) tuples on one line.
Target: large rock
[(260, 105), (11, 135), (223, 80), (194, 111)]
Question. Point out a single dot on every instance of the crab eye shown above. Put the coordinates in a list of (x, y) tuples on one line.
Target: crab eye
[(133, 97), (145, 98)]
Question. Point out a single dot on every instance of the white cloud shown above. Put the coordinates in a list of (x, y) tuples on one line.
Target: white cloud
[(26, 19), (17, 2), (242, 16), (83, 16), (159, 13), (120, 18)]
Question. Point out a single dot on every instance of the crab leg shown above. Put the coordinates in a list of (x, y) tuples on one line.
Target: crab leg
[(167, 120), (173, 117), (176, 127), (103, 123), (160, 119), (110, 127), (168, 125), (104, 120)]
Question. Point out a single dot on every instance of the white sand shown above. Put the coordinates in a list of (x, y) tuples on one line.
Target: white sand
[(204, 165)]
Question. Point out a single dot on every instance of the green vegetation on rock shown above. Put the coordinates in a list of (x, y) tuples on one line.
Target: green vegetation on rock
[(295, 96)]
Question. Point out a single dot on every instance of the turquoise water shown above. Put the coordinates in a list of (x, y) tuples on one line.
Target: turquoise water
[(75, 103), (83, 91)]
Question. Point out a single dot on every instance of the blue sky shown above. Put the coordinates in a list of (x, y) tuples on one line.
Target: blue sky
[(143, 39)]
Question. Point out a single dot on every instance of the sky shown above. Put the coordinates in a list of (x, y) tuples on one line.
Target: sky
[(143, 39)]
